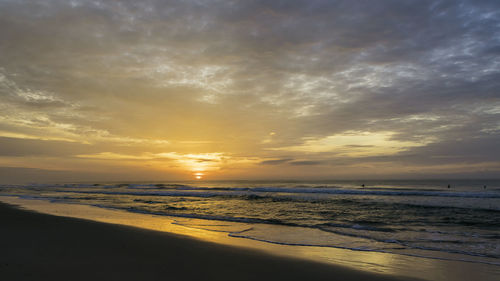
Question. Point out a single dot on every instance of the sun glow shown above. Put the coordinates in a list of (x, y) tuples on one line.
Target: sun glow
[(198, 176)]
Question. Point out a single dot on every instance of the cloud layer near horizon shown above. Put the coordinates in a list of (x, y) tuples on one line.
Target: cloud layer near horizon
[(249, 89)]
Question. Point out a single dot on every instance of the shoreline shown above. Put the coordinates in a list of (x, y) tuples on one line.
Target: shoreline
[(367, 262), (38, 246)]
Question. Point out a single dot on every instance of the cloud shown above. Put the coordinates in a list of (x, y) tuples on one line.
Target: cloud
[(27, 175), (306, 163), (275, 161), (19, 147), (419, 79)]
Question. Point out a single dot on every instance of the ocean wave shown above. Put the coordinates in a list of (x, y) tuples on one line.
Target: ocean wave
[(144, 193), (293, 189), (238, 191), (356, 225), (199, 216), (376, 192)]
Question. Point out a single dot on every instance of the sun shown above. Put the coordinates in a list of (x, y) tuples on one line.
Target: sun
[(198, 176)]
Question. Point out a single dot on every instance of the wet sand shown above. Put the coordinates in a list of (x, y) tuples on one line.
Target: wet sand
[(37, 246)]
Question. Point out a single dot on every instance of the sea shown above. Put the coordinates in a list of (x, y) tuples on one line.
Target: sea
[(432, 219)]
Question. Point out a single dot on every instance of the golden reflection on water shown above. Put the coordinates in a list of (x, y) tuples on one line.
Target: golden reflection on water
[(367, 261)]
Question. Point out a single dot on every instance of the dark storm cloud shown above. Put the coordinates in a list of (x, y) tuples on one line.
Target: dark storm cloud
[(233, 71)]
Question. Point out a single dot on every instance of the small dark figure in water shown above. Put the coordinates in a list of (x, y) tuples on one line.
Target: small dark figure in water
[(484, 186), (363, 185), (449, 186)]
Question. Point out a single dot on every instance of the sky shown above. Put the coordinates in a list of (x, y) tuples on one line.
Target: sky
[(215, 90)]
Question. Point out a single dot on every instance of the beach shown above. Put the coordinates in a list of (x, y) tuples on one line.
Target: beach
[(252, 230), (45, 247)]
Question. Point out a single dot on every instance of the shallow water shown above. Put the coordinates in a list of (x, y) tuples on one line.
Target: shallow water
[(411, 218)]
